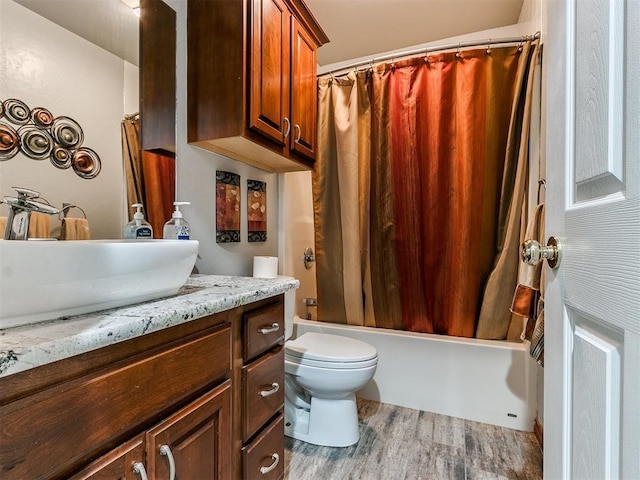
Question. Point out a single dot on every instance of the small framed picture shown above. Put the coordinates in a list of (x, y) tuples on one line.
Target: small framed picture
[(227, 207), (257, 210)]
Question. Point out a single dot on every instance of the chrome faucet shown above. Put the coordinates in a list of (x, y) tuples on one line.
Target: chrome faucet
[(20, 209)]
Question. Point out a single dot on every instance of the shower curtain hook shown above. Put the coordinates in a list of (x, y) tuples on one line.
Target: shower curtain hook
[(458, 51), (371, 65), (541, 183), (489, 48)]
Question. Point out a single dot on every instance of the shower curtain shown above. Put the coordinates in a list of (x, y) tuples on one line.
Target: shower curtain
[(419, 189), (150, 177)]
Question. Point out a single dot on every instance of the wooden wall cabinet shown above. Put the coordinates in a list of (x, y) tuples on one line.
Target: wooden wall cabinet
[(157, 76), (194, 388), (252, 81)]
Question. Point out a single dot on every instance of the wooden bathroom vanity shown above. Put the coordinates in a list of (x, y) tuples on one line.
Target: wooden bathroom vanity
[(192, 384)]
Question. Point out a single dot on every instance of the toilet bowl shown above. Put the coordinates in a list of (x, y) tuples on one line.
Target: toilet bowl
[(322, 374)]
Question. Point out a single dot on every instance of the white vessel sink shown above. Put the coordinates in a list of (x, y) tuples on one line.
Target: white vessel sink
[(44, 280)]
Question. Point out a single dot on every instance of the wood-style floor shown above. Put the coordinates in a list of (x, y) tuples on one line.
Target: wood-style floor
[(403, 444)]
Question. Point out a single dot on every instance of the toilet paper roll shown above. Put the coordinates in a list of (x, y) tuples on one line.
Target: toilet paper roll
[(265, 267)]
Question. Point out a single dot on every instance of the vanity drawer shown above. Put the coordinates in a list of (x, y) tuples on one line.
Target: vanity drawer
[(262, 390), (264, 457), (263, 328)]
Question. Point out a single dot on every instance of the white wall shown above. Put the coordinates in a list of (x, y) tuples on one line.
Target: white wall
[(196, 183), (46, 66)]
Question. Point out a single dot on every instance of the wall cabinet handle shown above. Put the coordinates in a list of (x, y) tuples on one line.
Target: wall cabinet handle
[(288, 130), (276, 460), (274, 388), (165, 450), (273, 328), (138, 468), (299, 134)]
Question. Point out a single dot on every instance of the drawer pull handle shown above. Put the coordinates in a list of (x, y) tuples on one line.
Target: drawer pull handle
[(165, 450), (138, 468), (276, 460), (273, 328), (274, 388)]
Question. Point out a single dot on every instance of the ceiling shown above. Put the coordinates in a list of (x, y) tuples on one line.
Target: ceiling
[(356, 28), (109, 24), (360, 28)]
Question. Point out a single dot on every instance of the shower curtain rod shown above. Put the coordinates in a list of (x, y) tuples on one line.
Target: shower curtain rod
[(425, 50)]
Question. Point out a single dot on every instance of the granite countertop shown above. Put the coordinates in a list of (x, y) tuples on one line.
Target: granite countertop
[(23, 348)]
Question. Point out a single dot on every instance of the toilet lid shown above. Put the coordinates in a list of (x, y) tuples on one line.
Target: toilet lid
[(329, 348)]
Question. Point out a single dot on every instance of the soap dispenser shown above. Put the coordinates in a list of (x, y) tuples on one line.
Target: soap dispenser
[(177, 228), (138, 228)]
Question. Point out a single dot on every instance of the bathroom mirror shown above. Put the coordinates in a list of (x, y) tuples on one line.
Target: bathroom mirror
[(79, 59)]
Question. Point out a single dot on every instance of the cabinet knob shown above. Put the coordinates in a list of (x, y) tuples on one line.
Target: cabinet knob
[(138, 468), (288, 130), (165, 450), (276, 460), (299, 133)]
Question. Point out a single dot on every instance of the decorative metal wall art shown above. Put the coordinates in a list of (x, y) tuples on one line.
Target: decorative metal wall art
[(40, 136), (227, 207), (257, 211)]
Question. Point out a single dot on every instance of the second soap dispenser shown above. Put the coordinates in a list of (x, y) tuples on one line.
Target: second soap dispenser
[(177, 228)]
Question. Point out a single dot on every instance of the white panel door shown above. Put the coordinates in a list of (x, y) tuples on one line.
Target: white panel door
[(592, 314)]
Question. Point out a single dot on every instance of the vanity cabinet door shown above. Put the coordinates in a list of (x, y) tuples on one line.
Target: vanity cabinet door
[(269, 74), (303, 92), (117, 464), (195, 442)]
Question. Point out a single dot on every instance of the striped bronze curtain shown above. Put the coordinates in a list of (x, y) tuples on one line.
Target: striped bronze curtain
[(418, 191), (150, 177)]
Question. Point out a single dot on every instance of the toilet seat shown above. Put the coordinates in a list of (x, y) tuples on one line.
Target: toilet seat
[(330, 351)]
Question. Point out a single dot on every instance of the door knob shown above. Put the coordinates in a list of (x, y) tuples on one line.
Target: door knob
[(533, 253)]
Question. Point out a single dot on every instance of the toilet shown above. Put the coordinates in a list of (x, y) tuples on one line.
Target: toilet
[(322, 374)]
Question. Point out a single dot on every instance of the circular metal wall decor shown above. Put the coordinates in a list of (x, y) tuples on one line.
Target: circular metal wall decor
[(61, 157), (67, 132), (86, 163), (9, 142), (16, 111), (39, 135), (41, 117), (35, 143)]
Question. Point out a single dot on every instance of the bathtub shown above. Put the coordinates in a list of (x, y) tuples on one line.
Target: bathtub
[(485, 381)]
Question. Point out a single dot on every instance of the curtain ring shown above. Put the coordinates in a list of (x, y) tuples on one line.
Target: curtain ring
[(521, 44), (458, 51), (489, 48), (371, 66)]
